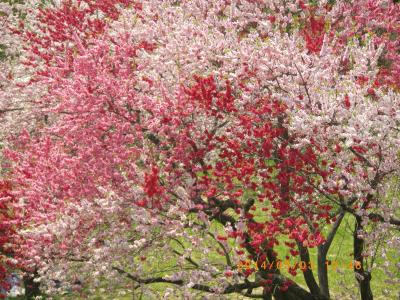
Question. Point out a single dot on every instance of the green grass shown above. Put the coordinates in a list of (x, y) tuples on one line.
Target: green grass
[(341, 281)]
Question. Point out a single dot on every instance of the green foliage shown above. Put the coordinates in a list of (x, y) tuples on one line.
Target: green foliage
[(3, 54), (15, 11)]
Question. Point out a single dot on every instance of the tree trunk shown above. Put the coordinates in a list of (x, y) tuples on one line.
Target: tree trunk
[(365, 286), (32, 288), (308, 273), (323, 272), (294, 292), (363, 276)]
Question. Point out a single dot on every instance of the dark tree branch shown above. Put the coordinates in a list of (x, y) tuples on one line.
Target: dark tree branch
[(188, 259), (308, 273), (4, 110), (295, 292), (378, 217), (304, 84), (233, 288), (333, 231), (362, 157)]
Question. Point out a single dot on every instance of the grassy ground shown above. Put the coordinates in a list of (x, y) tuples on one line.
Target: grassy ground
[(341, 276)]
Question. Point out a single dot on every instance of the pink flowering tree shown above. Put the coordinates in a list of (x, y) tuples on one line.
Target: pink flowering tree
[(20, 105), (213, 133), (12, 103), (6, 230)]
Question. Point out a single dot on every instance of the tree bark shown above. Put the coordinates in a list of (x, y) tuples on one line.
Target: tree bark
[(308, 272), (295, 292), (32, 288), (322, 253), (323, 272), (363, 276)]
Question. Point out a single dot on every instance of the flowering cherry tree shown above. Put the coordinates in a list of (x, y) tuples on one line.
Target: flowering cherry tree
[(213, 133), (6, 231), (20, 105), (11, 105)]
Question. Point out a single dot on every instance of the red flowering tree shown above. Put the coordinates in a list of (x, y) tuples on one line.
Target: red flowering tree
[(6, 230), (214, 133)]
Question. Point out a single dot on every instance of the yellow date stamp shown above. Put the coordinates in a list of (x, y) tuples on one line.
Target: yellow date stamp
[(302, 265)]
